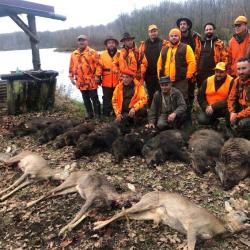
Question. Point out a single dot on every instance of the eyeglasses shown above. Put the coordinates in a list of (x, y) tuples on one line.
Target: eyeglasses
[(164, 84), (237, 25)]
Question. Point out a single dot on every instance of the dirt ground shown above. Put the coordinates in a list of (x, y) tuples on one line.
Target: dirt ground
[(38, 227)]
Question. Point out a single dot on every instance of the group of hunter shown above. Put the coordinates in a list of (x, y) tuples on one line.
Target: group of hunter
[(158, 79)]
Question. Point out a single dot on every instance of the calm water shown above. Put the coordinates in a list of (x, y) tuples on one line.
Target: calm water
[(50, 60)]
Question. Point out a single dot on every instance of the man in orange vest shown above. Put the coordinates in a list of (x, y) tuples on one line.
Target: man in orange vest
[(130, 58), (212, 96), (239, 98), (239, 45), (129, 98), (106, 74), (82, 69)]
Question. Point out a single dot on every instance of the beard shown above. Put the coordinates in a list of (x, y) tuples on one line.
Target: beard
[(112, 51), (209, 35)]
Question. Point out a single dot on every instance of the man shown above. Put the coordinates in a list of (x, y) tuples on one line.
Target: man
[(151, 48), (129, 97), (177, 61), (130, 58), (168, 108), (106, 74), (239, 45), (193, 39), (212, 96), (212, 52), (82, 69), (239, 98)]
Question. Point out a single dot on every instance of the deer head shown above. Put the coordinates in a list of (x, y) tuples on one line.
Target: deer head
[(238, 215)]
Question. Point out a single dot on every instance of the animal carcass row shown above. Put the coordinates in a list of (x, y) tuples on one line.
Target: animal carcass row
[(168, 144), (204, 148), (234, 162)]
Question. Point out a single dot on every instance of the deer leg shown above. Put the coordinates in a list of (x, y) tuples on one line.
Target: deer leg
[(139, 207), (24, 184), (16, 183), (191, 237), (80, 216), (53, 193)]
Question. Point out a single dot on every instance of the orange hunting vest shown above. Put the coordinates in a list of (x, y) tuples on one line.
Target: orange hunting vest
[(221, 94)]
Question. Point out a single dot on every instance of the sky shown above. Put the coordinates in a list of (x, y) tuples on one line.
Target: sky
[(79, 13)]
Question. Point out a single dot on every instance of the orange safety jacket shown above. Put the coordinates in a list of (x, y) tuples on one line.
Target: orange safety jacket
[(82, 68), (138, 101), (131, 59), (239, 98), (220, 52), (237, 50), (106, 69), (221, 94)]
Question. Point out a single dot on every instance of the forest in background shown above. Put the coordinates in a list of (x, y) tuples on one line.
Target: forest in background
[(164, 15)]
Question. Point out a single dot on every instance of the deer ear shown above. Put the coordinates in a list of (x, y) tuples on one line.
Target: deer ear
[(131, 187), (228, 207)]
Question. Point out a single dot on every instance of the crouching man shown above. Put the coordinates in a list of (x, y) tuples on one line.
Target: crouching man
[(129, 98), (239, 98), (168, 108), (212, 97)]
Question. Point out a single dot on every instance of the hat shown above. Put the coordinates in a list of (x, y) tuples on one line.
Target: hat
[(240, 19), (83, 37), (126, 35), (165, 79), (220, 66), (127, 72), (152, 27), (175, 31), (189, 22), (110, 38)]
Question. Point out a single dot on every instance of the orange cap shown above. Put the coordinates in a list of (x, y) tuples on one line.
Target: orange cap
[(152, 27), (240, 19), (175, 31), (128, 72)]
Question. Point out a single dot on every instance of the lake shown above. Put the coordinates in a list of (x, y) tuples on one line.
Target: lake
[(50, 60)]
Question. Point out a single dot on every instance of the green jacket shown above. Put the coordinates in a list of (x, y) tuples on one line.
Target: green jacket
[(176, 103)]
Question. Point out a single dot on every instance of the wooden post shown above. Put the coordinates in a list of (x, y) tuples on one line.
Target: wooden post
[(34, 44)]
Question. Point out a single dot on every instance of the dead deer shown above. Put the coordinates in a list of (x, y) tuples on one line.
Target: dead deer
[(34, 167), (181, 214), (91, 186)]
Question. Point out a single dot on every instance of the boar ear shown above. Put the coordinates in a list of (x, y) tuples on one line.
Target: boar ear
[(131, 187), (228, 207)]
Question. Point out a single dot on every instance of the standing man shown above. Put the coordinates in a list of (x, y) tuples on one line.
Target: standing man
[(212, 52), (130, 58), (239, 98), (82, 69), (151, 48), (106, 74), (213, 95), (239, 45), (177, 61), (193, 39)]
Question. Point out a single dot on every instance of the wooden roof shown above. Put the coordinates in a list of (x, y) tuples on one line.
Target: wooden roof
[(15, 7)]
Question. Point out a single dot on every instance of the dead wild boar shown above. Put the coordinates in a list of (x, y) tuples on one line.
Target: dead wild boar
[(100, 140), (131, 144), (54, 129), (33, 126), (204, 147), (234, 162), (166, 145), (71, 137)]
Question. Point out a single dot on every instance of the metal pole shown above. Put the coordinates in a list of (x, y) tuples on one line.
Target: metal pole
[(34, 44)]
